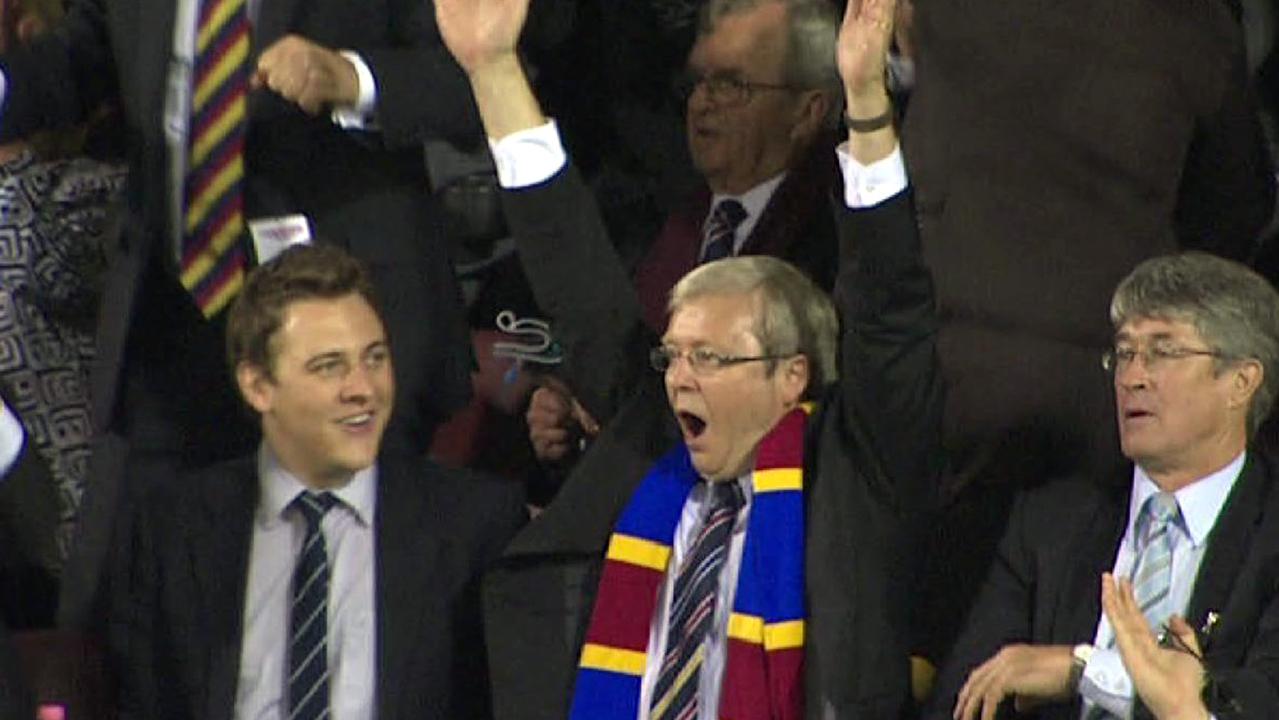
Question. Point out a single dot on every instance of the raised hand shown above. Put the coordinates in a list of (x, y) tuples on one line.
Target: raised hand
[(481, 33), (1168, 679), (864, 38)]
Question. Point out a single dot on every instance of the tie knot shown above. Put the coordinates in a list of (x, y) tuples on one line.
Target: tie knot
[(725, 495), (313, 506), (1160, 510), (728, 213)]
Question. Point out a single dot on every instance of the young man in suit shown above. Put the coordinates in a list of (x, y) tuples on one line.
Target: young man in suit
[(323, 575), (718, 551), (1194, 522), (246, 123)]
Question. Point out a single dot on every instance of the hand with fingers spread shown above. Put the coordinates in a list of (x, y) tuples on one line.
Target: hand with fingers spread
[(481, 33), (1028, 673), (862, 52), (308, 75), (864, 38), (1168, 679)]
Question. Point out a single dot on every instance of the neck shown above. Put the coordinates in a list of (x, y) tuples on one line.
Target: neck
[(1173, 477)]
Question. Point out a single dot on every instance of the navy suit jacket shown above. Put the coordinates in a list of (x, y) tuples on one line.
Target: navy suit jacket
[(176, 621)]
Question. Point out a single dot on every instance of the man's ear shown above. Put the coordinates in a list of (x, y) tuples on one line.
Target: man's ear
[(794, 374), (256, 386), (1245, 381), (811, 111)]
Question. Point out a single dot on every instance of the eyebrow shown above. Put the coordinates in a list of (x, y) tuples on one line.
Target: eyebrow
[(1164, 335)]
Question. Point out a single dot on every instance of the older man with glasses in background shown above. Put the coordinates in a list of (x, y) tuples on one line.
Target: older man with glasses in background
[(1192, 532)]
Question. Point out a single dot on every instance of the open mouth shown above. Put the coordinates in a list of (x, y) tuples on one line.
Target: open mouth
[(692, 425)]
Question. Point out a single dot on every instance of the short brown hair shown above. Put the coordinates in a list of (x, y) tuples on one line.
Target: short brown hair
[(301, 272)]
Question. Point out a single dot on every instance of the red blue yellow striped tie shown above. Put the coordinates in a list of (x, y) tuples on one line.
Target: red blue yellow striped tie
[(213, 262)]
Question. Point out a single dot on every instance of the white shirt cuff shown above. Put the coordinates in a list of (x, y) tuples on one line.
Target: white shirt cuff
[(361, 116), (869, 185), (1105, 682), (11, 439), (528, 157)]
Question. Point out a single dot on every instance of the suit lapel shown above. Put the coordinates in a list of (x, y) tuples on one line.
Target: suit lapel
[(1093, 552), (408, 562), (1229, 541), (219, 556)]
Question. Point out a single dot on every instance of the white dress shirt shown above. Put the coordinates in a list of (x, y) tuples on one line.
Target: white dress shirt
[(11, 439), (278, 530), (1105, 682)]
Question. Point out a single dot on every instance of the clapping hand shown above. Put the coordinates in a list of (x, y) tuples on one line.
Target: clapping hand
[(1168, 679)]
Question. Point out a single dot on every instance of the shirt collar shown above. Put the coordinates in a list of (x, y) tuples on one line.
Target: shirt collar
[(1200, 501), (753, 201), (279, 487)]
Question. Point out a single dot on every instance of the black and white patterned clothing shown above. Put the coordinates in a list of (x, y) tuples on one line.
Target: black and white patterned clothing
[(53, 218)]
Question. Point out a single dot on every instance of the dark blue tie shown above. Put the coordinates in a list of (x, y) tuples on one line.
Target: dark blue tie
[(721, 229), (693, 607), (309, 615)]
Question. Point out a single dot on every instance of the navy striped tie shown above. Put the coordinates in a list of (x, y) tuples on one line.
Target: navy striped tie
[(693, 607), (309, 615), (721, 230)]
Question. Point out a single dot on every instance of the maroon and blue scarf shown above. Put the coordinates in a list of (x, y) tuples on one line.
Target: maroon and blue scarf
[(763, 675)]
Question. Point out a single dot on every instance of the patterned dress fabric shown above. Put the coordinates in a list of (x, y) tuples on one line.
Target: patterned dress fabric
[(53, 218)]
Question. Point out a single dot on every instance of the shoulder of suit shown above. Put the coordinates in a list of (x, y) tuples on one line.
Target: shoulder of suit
[(452, 494)]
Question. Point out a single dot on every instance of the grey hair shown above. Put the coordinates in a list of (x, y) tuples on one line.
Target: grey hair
[(793, 316), (1235, 311), (812, 31)]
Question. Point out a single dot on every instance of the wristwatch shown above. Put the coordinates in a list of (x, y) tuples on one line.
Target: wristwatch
[(1079, 657)]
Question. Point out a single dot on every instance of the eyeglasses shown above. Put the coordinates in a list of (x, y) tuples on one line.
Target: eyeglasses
[(1154, 358), (702, 361), (723, 90)]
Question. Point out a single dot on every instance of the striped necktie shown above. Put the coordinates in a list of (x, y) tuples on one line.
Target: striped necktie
[(1152, 571), (692, 613), (212, 262), (721, 229), (309, 615)]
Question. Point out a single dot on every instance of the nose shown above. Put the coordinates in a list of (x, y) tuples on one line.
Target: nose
[(699, 98), (679, 375), (1133, 375), (358, 385)]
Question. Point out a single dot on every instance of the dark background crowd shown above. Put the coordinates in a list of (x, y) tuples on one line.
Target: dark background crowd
[(1051, 146)]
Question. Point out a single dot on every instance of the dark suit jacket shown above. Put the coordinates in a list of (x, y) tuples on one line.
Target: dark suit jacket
[(1047, 163), (28, 538), (1045, 586), (177, 617), (870, 467), (364, 191), (795, 226)]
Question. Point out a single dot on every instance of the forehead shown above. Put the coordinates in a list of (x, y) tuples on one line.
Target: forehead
[(1157, 328), (724, 320), (749, 42), (317, 325)]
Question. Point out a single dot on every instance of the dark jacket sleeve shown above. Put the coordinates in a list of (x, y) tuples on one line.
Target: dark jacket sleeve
[(891, 386), (579, 280)]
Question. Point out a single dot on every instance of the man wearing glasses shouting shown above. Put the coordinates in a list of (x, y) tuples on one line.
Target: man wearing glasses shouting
[(1192, 529), (723, 549)]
